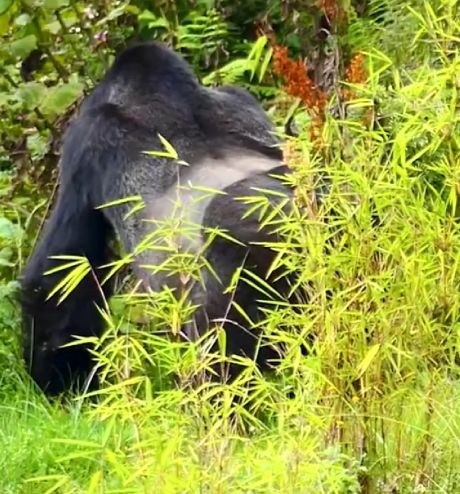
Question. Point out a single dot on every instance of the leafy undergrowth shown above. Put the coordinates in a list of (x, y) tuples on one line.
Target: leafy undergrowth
[(176, 441), (374, 404), (152, 446)]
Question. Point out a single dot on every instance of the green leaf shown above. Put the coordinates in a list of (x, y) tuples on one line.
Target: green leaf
[(118, 202), (9, 231), (31, 94), (169, 152), (79, 269), (53, 27), (6, 255), (160, 22), (222, 342), (22, 20), (4, 98), (151, 20), (256, 54), (60, 98), (4, 24), (38, 145), (55, 4), (22, 47), (265, 63), (5, 5), (114, 14), (367, 360)]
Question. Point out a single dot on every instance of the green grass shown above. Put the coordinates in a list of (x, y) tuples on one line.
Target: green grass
[(375, 405), (169, 456), (175, 441)]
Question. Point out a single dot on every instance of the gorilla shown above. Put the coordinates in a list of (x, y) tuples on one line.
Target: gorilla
[(225, 144)]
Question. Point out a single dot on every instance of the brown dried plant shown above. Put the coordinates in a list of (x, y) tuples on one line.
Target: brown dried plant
[(355, 74), (297, 83), (330, 8)]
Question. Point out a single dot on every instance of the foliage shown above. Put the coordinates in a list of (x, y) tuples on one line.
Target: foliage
[(374, 405)]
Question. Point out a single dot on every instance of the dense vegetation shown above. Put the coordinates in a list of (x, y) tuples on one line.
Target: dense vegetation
[(375, 404)]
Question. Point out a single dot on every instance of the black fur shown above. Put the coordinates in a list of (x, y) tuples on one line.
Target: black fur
[(225, 256), (149, 91)]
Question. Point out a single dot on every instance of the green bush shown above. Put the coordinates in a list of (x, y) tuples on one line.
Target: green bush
[(374, 406)]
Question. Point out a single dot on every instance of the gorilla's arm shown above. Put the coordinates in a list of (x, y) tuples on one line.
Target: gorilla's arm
[(97, 144), (228, 213), (74, 228)]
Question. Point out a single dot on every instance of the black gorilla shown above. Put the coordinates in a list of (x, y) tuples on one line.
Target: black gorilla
[(228, 144)]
